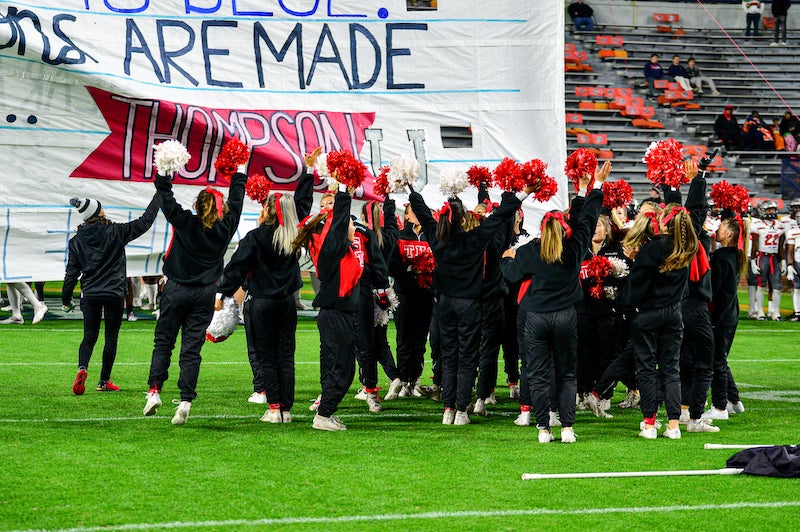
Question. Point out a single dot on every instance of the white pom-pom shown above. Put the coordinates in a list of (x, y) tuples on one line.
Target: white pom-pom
[(321, 165), (619, 268), (381, 316), (453, 182), (224, 322), (404, 170), (170, 156)]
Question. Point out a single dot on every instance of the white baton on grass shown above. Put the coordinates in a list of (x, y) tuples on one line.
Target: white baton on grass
[(723, 446), (724, 471)]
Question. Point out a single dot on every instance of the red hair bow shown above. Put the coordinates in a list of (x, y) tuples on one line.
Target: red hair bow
[(559, 217), (217, 200)]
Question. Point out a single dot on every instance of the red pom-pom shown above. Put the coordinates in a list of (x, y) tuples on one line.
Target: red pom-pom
[(617, 194), (478, 175), (232, 154), (508, 175), (381, 187), (423, 265), (664, 160), (258, 188), (735, 198), (346, 168), (597, 291), (547, 189), (598, 267), (580, 163)]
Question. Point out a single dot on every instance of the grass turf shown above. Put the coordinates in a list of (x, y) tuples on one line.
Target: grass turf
[(94, 461)]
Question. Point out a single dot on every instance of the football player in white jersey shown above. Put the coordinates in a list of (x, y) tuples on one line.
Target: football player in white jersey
[(766, 259), (792, 228), (752, 281), (711, 223)]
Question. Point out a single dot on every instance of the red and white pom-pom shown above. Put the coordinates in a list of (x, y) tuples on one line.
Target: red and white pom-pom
[(170, 156), (617, 194), (580, 163), (453, 182), (381, 316), (258, 188), (598, 267), (405, 170), (619, 268), (508, 175), (381, 187), (233, 154), (547, 189), (321, 166), (735, 198), (479, 175), (664, 160), (224, 321), (346, 168)]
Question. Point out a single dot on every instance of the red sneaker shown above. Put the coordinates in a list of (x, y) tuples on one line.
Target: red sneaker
[(79, 385), (107, 386)]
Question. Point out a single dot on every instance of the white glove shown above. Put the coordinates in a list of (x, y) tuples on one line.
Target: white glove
[(783, 267), (754, 267), (790, 273)]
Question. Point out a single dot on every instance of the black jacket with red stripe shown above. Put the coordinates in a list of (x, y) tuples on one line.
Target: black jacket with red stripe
[(195, 254), (375, 272)]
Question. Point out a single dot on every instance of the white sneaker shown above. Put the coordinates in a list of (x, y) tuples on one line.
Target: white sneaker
[(272, 416), (523, 419), (433, 391), (568, 435), (405, 390), (16, 320), (416, 389), (338, 422), (374, 403), (259, 398), (315, 404), (152, 404), (449, 416), (554, 421), (649, 434), (462, 418), (513, 391), (394, 390), (773, 43), (181, 413), (684, 418), (581, 402), (697, 425), (715, 93), (156, 314), (673, 434), (657, 426), (39, 314), (596, 406), (326, 423), (735, 408), (631, 400), (286, 417), (545, 436), (361, 395), (715, 413), (132, 316), (480, 408), (491, 400), (137, 303)]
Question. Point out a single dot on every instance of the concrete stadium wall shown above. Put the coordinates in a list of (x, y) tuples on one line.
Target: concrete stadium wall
[(633, 13)]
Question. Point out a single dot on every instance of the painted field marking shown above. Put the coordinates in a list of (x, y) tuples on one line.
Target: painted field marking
[(785, 396), (433, 515), (301, 417)]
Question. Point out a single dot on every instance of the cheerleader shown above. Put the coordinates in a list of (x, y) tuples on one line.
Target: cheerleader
[(328, 237), (193, 265), (727, 264), (553, 263), (458, 280), (414, 312), (266, 261), (97, 258), (656, 286), (510, 341)]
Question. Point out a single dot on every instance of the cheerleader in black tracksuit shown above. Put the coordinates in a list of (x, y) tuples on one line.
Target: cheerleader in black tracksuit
[(553, 263), (193, 265), (413, 316), (655, 289), (329, 237), (266, 261), (382, 220), (374, 277), (727, 264), (458, 280)]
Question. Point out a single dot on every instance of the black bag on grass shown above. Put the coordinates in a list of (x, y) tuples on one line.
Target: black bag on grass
[(779, 461)]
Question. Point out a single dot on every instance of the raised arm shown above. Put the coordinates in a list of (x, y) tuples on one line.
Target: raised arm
[(174, 213), (136, 228)]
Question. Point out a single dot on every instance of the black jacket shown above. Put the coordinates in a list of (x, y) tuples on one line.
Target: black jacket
[(724, 304), (649, 289), (780, 8), (697, 206), (97, 255), (370, 255), (409, 244), (195, 254), (266, 272)]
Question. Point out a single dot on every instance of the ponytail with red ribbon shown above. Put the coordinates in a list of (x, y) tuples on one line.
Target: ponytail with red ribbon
[(218, 200), (559, 217)]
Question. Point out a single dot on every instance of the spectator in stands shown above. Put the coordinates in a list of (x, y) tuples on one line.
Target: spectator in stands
[(726, 128), (652, 72), (753, 10), (697, 78), (780, 10), (655, 195), (755, 134), (581, 15), (789, 122), (677, 73)]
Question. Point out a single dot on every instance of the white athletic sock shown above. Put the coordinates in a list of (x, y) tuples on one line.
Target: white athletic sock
[(796, 300), (759, 302), (28, 294), (776, 303), (751, 296), (15, 300)]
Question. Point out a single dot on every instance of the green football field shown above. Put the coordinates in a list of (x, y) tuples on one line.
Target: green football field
[(95, 463)]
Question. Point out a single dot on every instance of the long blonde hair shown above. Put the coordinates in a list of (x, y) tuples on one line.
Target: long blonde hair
[(371, 215), (552, 239), (642, 228), (678, 223), (303, 238), (284, 233), (206, 208)]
